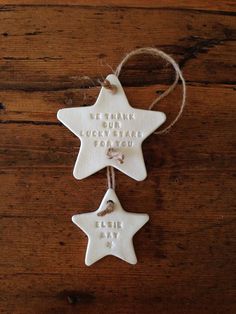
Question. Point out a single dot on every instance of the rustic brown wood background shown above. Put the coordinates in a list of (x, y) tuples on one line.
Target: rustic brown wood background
[(186, 252)]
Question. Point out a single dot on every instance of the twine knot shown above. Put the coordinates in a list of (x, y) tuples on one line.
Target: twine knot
[(106, 84), (109, 209), (115, 154)]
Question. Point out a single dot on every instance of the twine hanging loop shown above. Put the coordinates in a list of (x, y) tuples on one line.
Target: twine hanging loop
[(178, 76)]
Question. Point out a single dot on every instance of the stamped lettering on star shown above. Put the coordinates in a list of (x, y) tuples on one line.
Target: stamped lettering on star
[(111, 123), (111, 234)]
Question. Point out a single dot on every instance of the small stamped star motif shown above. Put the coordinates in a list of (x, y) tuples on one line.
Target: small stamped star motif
[(111, 234), (109, 244), (111, 123)]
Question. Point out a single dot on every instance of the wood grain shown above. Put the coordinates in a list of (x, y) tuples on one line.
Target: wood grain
[(186, 252), (51, 54), (217, 5)]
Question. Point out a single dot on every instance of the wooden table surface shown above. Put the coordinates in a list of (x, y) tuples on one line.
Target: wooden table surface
[(186, 252)]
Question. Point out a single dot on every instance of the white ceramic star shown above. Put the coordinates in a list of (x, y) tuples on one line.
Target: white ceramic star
[(111, 122), (111, 234)]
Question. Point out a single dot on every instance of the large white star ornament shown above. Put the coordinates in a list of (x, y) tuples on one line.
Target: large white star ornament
[(111, 123), (112, 233)]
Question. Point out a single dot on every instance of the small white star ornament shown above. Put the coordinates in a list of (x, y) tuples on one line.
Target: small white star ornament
[(111, 123), (112, 233)]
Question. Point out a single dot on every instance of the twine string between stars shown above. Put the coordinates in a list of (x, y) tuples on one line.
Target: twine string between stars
[(111, 182)]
